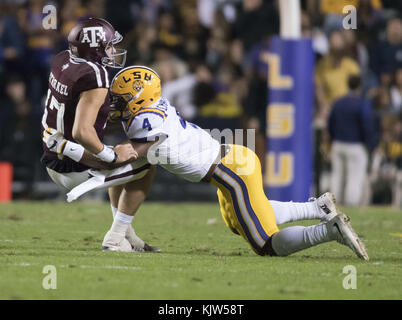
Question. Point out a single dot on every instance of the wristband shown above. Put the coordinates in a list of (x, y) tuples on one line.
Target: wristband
[(107, 155), (74, 151)]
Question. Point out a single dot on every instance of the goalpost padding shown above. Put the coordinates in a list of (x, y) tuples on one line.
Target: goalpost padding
[(289, 165)]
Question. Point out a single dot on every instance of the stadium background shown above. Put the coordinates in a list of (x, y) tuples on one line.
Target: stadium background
[(208, 56)]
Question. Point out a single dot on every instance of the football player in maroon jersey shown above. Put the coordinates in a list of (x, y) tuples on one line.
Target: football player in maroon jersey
[(75, 117)]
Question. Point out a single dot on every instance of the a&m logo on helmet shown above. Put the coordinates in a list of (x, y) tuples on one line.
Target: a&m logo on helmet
[(93, 35)]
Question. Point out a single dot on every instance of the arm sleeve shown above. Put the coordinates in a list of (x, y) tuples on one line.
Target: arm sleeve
[(146, 127)]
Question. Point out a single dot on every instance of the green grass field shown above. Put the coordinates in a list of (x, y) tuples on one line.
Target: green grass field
[(201, 259)]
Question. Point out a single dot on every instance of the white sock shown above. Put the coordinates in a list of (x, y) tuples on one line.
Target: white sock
[(123, 218), (294, 211), (296, 238), (121, 222), (132, 237)]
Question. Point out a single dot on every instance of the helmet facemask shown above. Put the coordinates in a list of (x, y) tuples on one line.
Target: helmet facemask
[(119, 108), (117, 59)]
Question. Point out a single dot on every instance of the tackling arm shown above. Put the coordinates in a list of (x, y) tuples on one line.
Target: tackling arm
[(56, 143), (91, 161), (142, 147)]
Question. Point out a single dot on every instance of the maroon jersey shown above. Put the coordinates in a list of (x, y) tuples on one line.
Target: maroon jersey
[(69, 77)]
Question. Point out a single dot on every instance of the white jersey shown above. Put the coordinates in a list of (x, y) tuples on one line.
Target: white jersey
[(183, 148)]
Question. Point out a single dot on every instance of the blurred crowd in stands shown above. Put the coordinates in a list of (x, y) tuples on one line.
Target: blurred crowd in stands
[(207, 53)]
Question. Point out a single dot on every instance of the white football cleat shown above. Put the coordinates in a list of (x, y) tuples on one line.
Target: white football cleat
[(326, 203), (114, 241), (344, 233), (137, 244)]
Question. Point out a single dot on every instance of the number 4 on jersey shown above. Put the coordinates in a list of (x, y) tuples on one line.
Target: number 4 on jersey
[(146, 124)]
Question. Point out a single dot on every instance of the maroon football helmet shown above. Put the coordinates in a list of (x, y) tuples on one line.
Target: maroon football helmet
[(89, 40)]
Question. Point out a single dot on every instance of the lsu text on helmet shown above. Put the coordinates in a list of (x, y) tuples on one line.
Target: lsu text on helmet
[(132, 89)]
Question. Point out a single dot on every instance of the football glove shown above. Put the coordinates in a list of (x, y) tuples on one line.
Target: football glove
[(54, 141)]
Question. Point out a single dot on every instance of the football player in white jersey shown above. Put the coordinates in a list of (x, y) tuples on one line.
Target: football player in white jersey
[(157, 132)]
